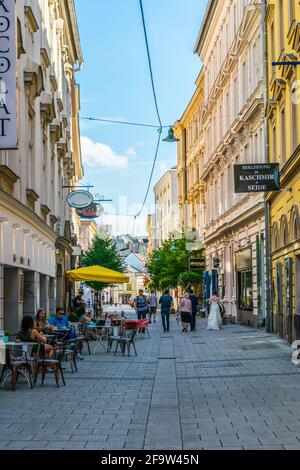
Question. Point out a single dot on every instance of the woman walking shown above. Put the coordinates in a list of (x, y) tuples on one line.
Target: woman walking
[(214, 321), (186, 312)]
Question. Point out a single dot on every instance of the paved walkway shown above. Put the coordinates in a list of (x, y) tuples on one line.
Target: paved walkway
[(233, 389)]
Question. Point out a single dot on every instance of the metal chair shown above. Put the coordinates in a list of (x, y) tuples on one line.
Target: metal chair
[(126, 341), (20, 362), (45, 364)]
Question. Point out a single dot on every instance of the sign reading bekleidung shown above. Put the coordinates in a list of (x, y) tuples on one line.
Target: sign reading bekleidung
[(8, 62), (257, 177)]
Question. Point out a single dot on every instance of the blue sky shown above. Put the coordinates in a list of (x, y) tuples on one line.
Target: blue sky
[(115, 84)]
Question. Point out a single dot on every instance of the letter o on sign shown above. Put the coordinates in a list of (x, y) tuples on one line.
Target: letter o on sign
[(4, 24), (4, 64)]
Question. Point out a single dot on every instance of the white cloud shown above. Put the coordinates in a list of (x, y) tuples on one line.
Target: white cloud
[(130, 152), (96, 154)]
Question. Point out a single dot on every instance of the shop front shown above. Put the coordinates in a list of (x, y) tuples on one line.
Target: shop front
[(244, 285)]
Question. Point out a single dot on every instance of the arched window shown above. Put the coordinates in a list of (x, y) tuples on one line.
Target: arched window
[(295, 223), (284, 233), (275, 237)]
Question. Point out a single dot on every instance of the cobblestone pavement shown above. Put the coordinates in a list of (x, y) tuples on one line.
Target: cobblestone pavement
[(232, 389)]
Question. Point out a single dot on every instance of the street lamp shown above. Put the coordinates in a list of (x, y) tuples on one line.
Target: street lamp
[(171, 137)]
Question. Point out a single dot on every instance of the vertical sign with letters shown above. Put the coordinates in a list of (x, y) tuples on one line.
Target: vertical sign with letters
[(8, 63)]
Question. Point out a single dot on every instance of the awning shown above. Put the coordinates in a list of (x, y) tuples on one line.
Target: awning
[(97, 274)]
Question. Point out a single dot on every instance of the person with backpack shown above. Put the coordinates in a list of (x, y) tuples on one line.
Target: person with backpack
[(166, 302), (141, 305)]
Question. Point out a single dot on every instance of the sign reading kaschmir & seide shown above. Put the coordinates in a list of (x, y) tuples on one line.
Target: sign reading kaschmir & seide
[(8, 63), (257, 177)]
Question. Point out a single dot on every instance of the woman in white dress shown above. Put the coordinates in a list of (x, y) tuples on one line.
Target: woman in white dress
[(214, 321)]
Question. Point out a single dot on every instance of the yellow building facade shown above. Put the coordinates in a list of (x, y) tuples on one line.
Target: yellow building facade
[(190, 162), (283, 45)]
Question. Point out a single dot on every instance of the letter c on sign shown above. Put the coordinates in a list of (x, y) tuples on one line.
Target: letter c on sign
[(4, 24)]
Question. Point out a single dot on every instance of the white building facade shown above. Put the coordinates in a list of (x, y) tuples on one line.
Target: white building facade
[(38, 230), (230, 45), (166, 221)]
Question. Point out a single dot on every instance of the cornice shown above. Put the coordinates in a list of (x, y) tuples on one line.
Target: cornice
[(18, 209)]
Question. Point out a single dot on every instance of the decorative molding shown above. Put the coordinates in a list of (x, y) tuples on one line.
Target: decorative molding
[(7, 179), (31, 20), (45, 57)]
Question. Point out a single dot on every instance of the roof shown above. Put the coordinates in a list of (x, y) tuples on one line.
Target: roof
[(211, 7)]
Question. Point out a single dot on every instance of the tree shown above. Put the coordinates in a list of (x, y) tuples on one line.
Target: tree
[(190, 278), (103, 252), (168, 266)]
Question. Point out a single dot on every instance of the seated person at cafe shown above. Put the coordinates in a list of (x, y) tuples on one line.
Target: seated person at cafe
[(85, 317), (28, 334), (60, 319), (40, 322)]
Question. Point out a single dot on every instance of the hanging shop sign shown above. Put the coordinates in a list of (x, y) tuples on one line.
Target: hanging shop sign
[(243, 259), (80, 199), (255, 178), (8, 62), (91, 212), (197, 264)]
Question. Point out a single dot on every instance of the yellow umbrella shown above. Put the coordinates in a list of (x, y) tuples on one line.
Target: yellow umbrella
[(97, 274)]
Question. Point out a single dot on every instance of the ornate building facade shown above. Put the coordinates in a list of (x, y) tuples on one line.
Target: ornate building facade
[(283, 27), (230, 46), (37, 228), (190, 163)]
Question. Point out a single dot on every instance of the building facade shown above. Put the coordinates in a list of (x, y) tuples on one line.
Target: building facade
[(283, 28), (190, 163), (166, 207), (87, 232), (230, 45), (38, 230)]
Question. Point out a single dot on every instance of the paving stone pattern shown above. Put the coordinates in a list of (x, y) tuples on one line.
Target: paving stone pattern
[(232, 389)]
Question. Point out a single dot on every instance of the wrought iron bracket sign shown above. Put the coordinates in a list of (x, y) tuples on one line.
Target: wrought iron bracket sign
[(91, 212), (8, 68), (80, 199), (255, 178)]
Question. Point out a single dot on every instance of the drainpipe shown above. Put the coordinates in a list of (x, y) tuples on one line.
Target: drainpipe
[(269, 316)]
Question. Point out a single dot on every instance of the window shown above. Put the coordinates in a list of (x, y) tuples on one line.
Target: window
[(291, 11), (283, 137), (245, 290), (281, 24), (294, 124)]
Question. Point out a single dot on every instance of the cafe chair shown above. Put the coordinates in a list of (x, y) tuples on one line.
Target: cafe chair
[(45, 364), (126, 341), (18, 362)]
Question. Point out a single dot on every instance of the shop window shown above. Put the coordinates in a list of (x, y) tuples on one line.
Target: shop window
[(245, 290)]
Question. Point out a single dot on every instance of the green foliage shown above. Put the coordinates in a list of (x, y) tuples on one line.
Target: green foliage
[(190, 278), (168, 265), (102, 253)]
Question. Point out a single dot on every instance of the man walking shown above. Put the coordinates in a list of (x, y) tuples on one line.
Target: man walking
[(166, 302), (194, 301), (153, 306), (141, 305)]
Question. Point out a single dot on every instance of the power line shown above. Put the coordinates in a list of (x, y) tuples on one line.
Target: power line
[(149, 62), (157, 112), (150, 180), (127, 123)]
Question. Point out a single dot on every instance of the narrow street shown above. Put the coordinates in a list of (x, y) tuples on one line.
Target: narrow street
[(233, 389)]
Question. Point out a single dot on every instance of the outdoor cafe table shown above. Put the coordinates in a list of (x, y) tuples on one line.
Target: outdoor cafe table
[(102, 335)]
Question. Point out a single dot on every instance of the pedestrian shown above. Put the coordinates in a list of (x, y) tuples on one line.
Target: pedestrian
[(166, 302), (194, 300), (153, 306), (214, 321), (186, 312), (77, 302), (141, 305)]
